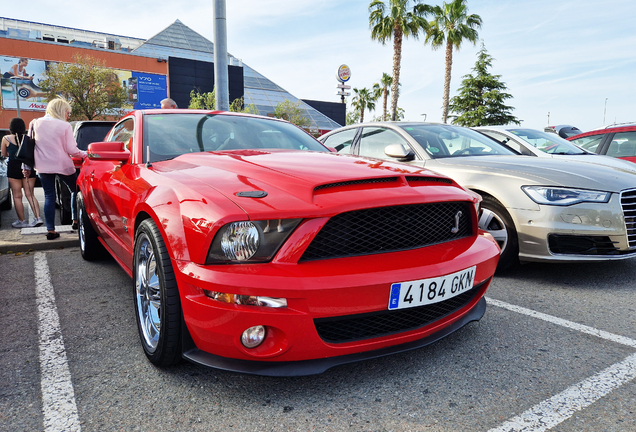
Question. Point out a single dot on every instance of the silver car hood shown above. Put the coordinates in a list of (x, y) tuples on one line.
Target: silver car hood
[(588, 173)]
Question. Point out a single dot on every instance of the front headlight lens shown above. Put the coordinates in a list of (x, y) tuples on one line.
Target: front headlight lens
[(564, 196), (250, 241)]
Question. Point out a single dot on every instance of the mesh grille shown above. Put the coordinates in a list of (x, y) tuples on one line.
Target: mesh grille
[(364, 326), (428, 179), (356, 182), (628, 203), (390, 229), (581, 245)]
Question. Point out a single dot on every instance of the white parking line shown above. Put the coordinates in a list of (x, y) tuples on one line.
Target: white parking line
[(58, 398), (561, 407)]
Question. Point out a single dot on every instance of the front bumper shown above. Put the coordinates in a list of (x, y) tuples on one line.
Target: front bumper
[(317, 290), (556, 233)]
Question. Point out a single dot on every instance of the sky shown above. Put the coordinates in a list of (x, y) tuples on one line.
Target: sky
[(564, 62)]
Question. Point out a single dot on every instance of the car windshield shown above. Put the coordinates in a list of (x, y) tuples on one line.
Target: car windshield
[(442, 141), (547, 142), (167, 136)]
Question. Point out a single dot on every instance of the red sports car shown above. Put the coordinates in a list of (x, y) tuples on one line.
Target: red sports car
[(254, 248)]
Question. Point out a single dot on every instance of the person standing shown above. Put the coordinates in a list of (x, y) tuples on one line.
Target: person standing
[(54, 148), (17, 181)]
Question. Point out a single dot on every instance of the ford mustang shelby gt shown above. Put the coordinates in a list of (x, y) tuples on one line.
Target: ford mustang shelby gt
[(254, 248)]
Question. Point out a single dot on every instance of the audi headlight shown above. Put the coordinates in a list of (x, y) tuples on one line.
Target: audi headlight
[(564, 196), (250, 241)]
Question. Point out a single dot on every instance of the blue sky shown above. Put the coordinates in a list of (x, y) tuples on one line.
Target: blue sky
[(559, 57)]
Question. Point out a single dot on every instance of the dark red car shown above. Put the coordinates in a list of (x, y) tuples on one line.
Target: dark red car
[(254, 248), (616, 141)]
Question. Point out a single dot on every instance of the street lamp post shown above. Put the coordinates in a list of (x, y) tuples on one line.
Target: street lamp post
[(17, 96), (604, 111)]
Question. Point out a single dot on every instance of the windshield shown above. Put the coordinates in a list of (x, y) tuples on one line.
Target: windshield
[(167, 136), (547, 142), (442, 141)]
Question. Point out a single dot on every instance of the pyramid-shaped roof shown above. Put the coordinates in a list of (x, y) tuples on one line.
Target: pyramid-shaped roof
[(179, 40)]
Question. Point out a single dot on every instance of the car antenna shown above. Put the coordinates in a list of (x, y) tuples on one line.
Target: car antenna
[(148, 164)]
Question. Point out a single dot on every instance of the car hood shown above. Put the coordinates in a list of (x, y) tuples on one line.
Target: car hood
[(588, 173), (296, 182)]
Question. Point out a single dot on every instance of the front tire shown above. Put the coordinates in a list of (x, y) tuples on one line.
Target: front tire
[(157, 303), (495, 219)]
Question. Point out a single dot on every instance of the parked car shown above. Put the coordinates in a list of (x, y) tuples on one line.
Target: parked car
[(564, 131), (617, 141), (5, 192), (85, 132), (253, 248), (538, 209), (531, 142)]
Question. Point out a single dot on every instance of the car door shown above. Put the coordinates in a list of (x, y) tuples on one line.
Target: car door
[(105, 180)]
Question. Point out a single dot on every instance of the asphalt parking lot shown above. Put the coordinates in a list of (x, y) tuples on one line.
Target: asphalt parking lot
[(555, 351)]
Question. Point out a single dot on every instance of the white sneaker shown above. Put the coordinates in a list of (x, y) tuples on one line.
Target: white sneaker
[(36, 222), (20, 224)]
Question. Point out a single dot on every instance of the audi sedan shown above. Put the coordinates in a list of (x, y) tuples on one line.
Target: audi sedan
[(537, 208), (254, 248)]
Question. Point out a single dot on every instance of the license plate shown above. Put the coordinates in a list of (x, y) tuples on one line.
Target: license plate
[(428, 291)]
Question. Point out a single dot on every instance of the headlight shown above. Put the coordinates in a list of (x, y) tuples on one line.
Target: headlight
[(248, 241), (564, 196), (247, 300)]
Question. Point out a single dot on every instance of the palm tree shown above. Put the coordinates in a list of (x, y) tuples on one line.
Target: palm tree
[(391, 19), (382, 89), (451, 24), (363, 100)]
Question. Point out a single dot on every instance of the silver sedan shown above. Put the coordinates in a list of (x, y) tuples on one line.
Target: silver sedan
[(538, 209)]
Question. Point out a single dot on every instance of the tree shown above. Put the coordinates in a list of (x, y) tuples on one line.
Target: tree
[(206, 101), (392, 20), (293, 112), (382, 89), (451, 24), (92, 89), (363, 99), (353, 117), (481, 97)]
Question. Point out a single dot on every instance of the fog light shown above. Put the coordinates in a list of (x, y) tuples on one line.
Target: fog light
[(253, 336)]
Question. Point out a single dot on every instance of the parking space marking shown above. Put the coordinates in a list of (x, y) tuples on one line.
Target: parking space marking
[(58, 397), (564, 405)]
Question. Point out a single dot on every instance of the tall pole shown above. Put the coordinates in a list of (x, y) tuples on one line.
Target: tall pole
[(17, 96), (604, 111), (221, 81)]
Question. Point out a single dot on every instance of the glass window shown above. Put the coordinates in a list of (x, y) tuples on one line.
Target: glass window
[(170, 135), (123, 132), (506, 141), (374, 140), (341, 141), (589, 143), (546, 142), (623, 144)]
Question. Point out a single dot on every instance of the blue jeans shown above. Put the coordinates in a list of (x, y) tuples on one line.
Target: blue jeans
[(48, 185)]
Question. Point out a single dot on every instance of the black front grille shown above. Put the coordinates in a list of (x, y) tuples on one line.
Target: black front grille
[(628, 203), (581, 245), (390, 229), (364, 326)]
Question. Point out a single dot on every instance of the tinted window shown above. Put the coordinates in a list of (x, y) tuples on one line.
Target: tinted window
[(589, 143), (506, 141), (167, 136), (341, 141), (374, 140), (441, 141), (623, 144), (546, 142)]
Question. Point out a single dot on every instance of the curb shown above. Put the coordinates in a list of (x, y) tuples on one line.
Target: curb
[(21, 247)]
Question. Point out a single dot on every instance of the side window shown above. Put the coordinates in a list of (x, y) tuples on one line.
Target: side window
[(124, 132), (341, 141), (589, 143), (374, 140), (623, 144), (506, 141)]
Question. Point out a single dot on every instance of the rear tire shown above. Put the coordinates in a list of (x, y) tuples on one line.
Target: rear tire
[(157, 302), (90, 246), (495, 219)]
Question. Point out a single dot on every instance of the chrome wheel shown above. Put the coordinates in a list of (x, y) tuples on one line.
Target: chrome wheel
[(81, 228), (148, 293), (492, 222)]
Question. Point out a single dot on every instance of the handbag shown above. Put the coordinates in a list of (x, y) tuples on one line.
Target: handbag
[(26, 151)]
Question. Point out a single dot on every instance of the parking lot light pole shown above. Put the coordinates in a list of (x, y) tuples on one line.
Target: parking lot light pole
[(17, 96), (221, 84), (604, 111)]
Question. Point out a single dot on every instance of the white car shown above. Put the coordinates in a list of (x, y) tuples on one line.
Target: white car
[(532, 142)]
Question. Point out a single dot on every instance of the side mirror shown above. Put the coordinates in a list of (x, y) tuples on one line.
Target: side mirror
[(108, 151), (398, 151)]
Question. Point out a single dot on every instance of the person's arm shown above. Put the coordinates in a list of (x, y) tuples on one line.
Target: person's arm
[(70, 145), (5, 143)]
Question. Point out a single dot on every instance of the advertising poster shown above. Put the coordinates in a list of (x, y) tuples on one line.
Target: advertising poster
[(20, 76)]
